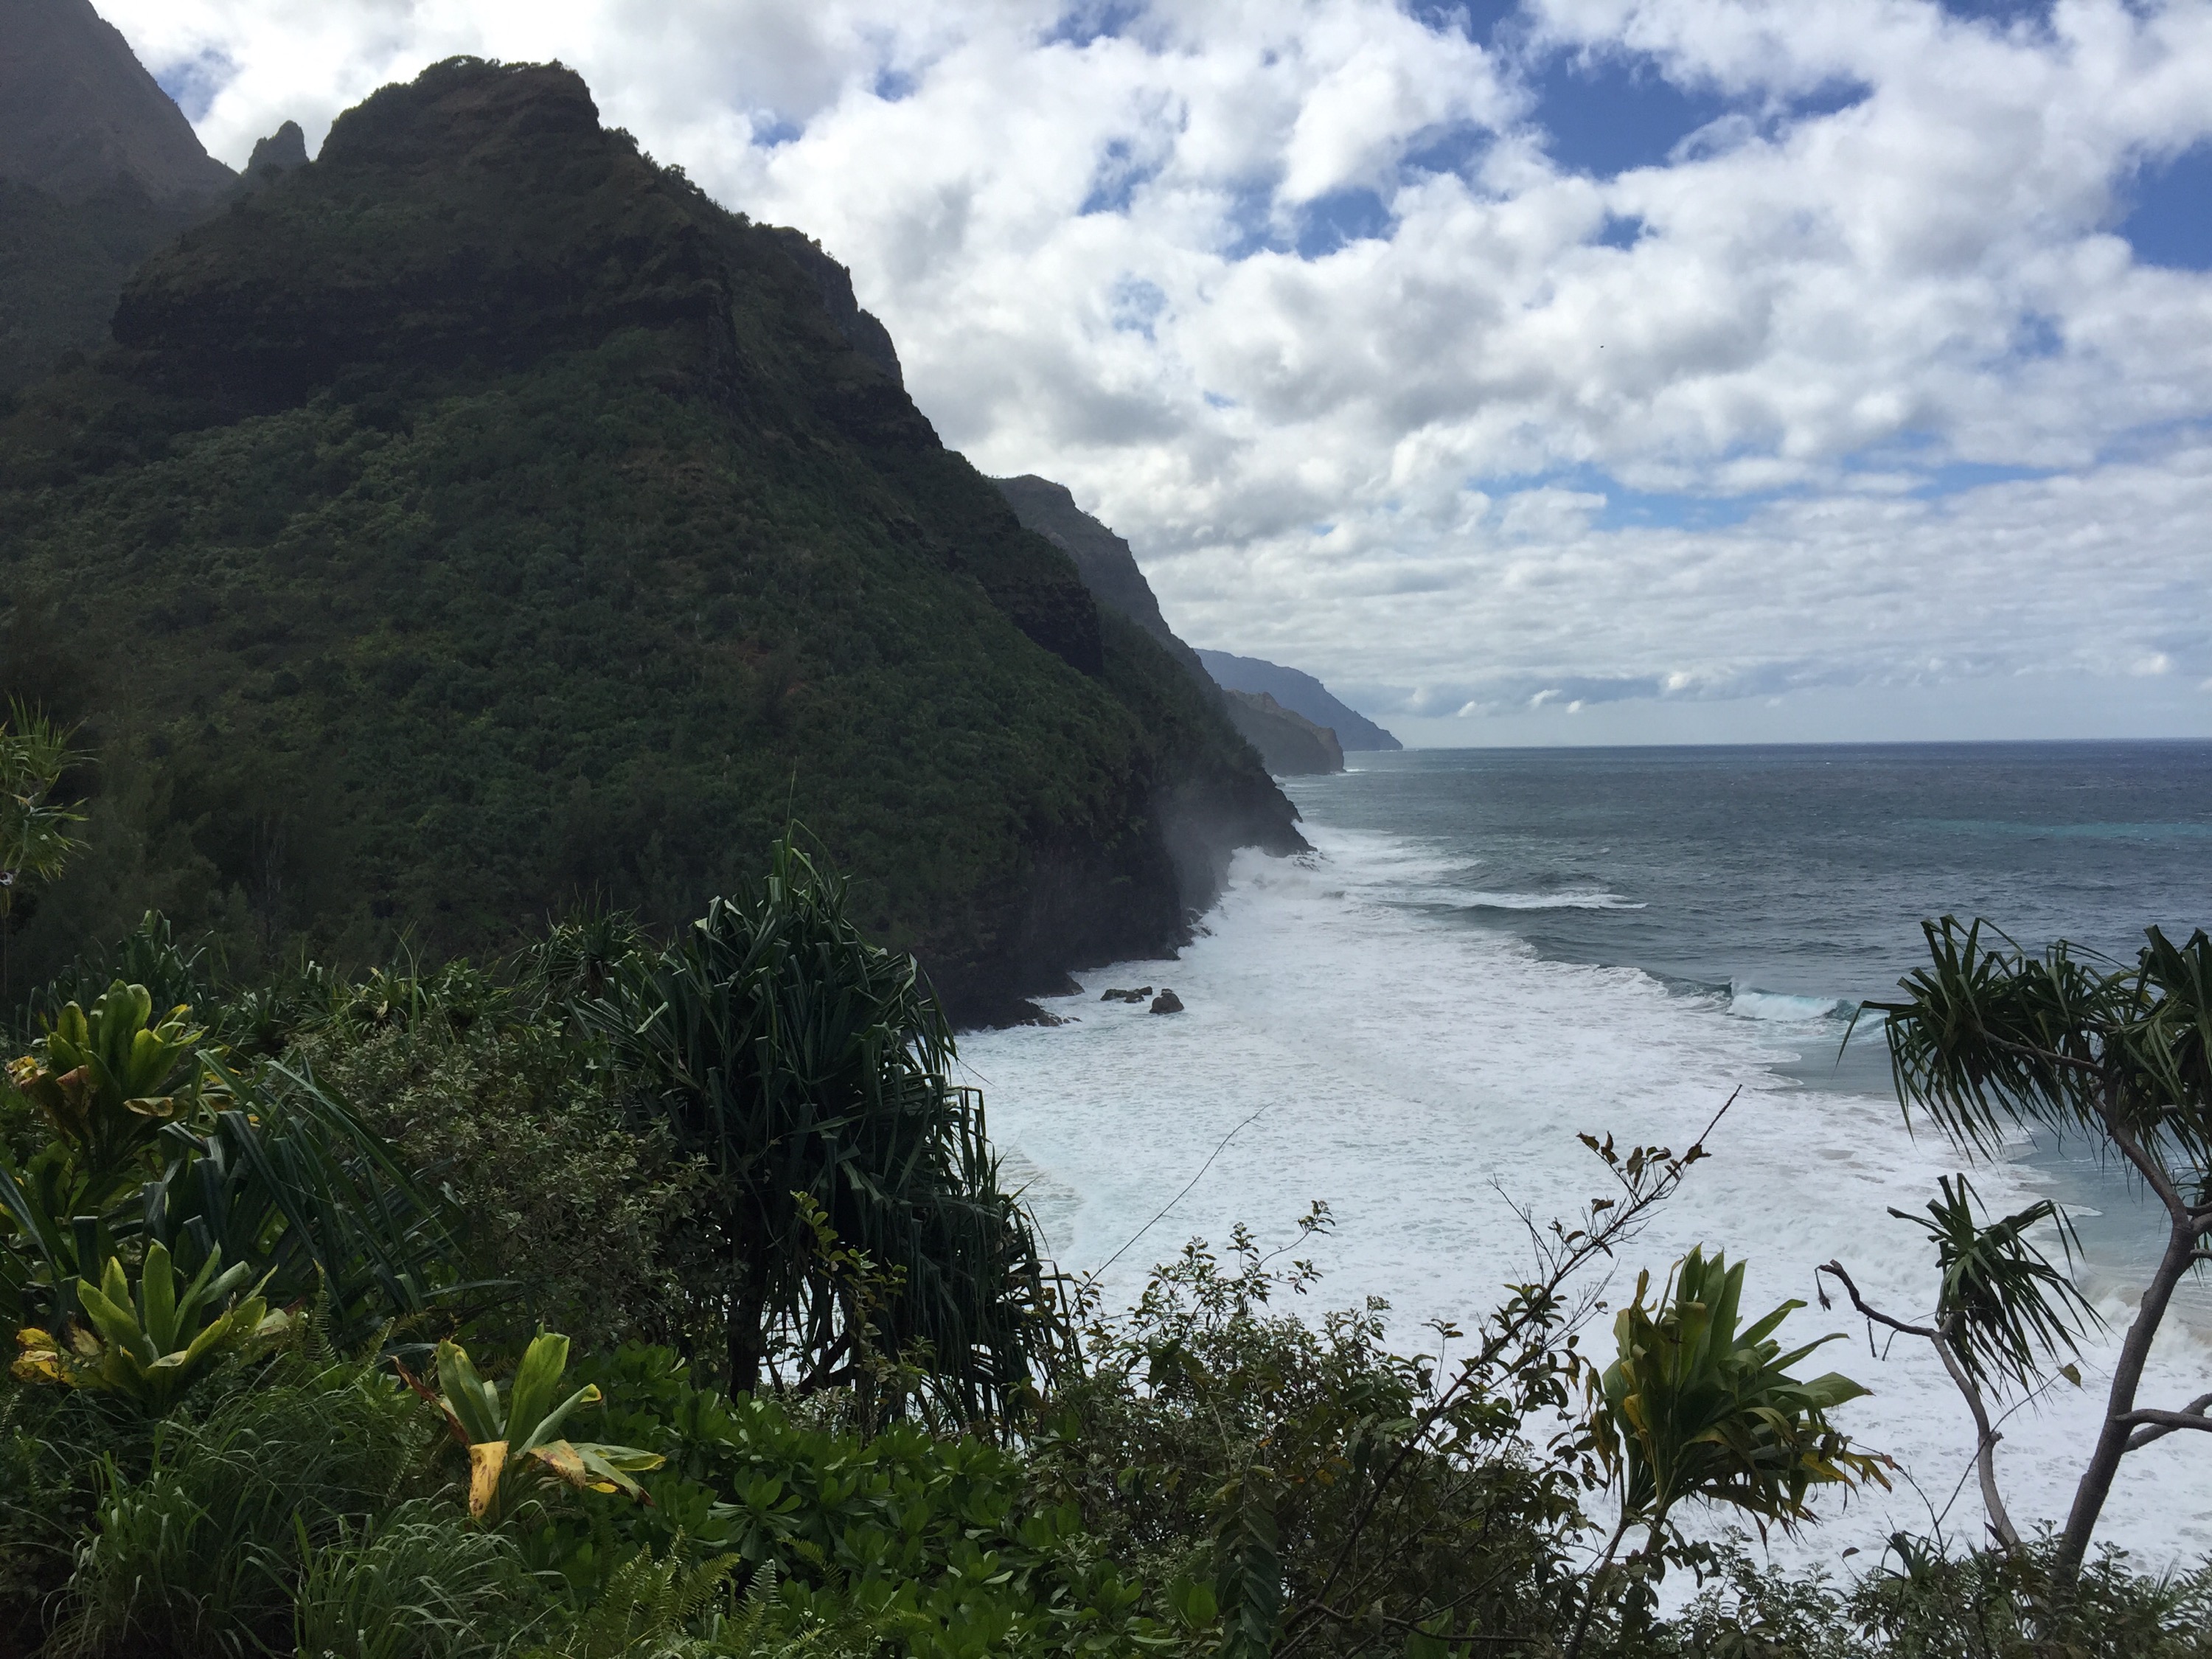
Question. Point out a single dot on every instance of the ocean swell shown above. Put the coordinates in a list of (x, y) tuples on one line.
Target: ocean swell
[(1347, 1042)]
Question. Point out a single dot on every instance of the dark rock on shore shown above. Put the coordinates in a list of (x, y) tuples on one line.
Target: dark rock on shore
[(1167, 1003)]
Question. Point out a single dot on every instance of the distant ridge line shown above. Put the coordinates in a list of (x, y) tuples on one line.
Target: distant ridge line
[(1300, 693)]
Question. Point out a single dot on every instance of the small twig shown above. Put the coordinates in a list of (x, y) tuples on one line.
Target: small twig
[(1092, 1277)]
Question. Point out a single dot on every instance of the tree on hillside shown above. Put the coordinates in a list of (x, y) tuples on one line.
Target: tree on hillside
[(1990, 1044), (852, 1200)]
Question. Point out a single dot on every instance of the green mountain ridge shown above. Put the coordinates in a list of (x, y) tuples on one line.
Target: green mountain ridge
[(1288, 743), (478, 518)]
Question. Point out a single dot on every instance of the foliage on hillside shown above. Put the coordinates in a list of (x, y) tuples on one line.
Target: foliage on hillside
[(480, 517), (348, 1434)]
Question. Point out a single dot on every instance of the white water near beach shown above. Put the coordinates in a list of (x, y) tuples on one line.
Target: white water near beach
[(1424, 1079)]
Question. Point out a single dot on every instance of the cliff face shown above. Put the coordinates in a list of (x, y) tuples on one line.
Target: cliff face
[(1102, 558), (1299, 693), (98, 168), (1289, 743), (477, 517), (78, 111)]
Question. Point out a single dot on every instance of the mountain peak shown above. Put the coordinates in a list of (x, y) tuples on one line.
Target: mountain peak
[(79, 112), (279, 153)]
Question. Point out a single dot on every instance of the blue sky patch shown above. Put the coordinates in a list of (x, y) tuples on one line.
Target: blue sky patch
[(1451, 149), (1328, 223), (1642, 509), (772, 132), (1477, 19), (194, 82), (1137, 305), (2002, 12), (1607, 113), (1114, 180), (2170, 221), (1621, 230), (894, 85), (1957, 478), (1632, 509), (1093, 20)]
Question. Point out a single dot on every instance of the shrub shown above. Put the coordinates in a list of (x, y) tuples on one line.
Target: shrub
[(553, 1188), (199, 1550)]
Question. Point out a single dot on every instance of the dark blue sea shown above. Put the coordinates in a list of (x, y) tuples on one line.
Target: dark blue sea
[(1794, 881)]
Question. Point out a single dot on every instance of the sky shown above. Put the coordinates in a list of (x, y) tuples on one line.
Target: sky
[(1551, 371)]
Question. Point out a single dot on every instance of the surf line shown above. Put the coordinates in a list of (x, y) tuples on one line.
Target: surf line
[(1091, 1278)]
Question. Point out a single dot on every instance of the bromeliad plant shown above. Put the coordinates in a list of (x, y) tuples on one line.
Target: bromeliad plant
[(515, 1442), (107, 1080), (151, 1341)]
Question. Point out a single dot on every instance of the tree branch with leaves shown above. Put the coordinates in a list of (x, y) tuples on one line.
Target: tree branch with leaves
[(1990, 1044)]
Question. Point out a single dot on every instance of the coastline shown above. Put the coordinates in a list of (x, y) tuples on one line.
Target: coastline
[(1425, 1081)]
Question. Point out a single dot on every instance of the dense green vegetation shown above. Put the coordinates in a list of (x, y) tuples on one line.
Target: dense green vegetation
[(480, 517), (478, 527), (285, 1259)]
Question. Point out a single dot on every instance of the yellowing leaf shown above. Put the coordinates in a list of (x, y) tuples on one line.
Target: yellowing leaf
[(487, 1461)]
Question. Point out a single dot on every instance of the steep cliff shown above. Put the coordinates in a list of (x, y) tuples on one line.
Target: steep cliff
[(98, 168), (478, 518), (1288, 745), (1301, 694)]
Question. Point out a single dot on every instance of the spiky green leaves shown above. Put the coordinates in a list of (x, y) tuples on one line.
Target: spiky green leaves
[(1700, 1405), (2002, 1306), (35, 836), (151, 1342), (511, 1441)]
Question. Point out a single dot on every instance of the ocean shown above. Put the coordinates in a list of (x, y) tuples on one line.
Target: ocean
[(1490, 951)]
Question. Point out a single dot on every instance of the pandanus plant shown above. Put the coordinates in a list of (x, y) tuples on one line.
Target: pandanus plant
[(515, 1442), (36, 835), (151, 1341)]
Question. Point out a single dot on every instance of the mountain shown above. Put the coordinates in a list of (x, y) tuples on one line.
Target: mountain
[(1286, 744), (1102, 558), (98, 168), (477, 517), (1301, 693), (78, 111)]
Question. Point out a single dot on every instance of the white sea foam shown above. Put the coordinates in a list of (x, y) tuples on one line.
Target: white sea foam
[(1546, 901), (1419, 1074), (1748, 1004)]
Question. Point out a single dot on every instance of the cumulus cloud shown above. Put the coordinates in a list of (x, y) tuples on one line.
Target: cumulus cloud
[(1848, 387)]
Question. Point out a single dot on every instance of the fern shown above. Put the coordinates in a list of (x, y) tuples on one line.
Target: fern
[(649, 1610)]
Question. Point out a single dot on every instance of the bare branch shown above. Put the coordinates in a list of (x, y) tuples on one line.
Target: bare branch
[(2151, 1425), (1874, 1314)]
